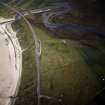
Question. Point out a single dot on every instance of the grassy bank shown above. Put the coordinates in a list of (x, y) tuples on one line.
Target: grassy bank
[(27, 90), (65, 75)]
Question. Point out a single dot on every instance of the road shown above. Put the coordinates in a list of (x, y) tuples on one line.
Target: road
[(47, 16), (60, 9)]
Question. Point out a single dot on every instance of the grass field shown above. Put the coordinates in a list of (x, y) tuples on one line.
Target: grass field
[(28, 84), (65, 74)]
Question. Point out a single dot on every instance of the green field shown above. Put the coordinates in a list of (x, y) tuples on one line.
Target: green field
[(65, 71)]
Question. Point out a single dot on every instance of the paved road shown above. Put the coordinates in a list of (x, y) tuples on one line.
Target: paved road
[(50, 11), (36, 11), (47, 16)]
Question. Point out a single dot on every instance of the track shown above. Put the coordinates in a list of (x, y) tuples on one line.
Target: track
[(46, 17)]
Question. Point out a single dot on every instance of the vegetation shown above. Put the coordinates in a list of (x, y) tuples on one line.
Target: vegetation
[(7, 12), (65, 74), (27, 90), (72, 68)]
